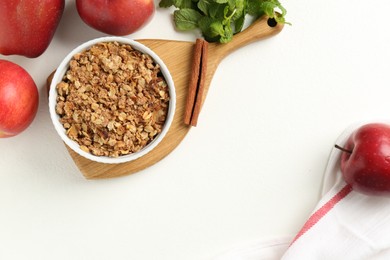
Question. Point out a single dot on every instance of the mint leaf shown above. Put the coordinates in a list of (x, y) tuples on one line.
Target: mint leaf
[(176, 3), (205, 25), (183, 4), (204, 6), (268, 8), (240, 6), (221, 1), (254, 7), (216, 10), (239, 24), (166, 3), (228, 34), (216, 29), (232, 3), (274, 9), (186, 19)]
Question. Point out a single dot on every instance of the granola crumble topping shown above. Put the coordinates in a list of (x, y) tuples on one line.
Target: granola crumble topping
[(113, 100)]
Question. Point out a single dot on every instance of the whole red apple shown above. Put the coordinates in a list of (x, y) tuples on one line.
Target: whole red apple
[(365, 162), (27, 27), (116, 17), (18, 99)]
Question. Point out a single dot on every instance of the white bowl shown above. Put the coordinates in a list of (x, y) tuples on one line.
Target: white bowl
[(58, 76)]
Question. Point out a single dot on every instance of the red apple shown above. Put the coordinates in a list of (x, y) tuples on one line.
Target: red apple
[(116, 17), (365, 162), (18, 99), (27, 27)]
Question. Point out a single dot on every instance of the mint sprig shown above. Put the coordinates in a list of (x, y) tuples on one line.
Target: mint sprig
[(219, 20)]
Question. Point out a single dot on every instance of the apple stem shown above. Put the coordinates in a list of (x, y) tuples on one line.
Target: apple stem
[(342, 149)]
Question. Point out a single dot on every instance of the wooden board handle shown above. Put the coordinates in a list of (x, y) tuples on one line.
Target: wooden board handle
[(259, 29)]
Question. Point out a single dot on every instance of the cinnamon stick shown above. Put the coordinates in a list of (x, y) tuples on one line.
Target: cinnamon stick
[(193, 84), (201, 86), (196, 84)]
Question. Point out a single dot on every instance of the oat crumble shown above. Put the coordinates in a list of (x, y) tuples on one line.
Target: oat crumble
[(113, 100)]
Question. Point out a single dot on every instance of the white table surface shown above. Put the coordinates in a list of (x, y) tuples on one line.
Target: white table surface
[(251, 170)]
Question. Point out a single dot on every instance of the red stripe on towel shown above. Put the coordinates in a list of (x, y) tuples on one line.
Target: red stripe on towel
[(323, 211)]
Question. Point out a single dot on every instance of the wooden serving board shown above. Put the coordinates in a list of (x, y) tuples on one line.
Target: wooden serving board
[(178, 56)]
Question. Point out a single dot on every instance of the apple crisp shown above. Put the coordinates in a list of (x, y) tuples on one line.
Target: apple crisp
[(113, 100)]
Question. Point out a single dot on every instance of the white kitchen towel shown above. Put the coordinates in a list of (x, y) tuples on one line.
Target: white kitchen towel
[(344, 225), (267, 249)]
